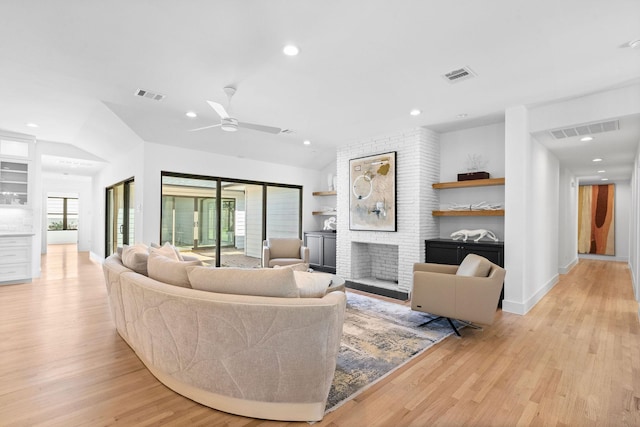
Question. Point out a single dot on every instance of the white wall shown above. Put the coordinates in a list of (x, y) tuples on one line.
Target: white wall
[(634, 226), (455, 149), (146, 162), (568, 220)]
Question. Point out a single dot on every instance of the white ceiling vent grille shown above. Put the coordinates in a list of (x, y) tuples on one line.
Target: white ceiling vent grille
[(455, 76), (588, 129), (150, 95)]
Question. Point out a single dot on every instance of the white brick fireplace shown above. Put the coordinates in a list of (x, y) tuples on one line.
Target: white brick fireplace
[(382, 258)]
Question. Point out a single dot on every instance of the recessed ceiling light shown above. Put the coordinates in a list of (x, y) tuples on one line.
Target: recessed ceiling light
[(597, 159), (191, 114), (633, 44), (291, 50), (32, 125), (462, 115), (586, 138), (601, 171), (415, 112), (604, 179), (306, 142)]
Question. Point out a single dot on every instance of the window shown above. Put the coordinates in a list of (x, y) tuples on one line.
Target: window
[(62, 213)]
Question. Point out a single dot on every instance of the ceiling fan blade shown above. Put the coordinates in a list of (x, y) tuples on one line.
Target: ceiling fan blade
[(261, 128), (222, 112), (206, 127)]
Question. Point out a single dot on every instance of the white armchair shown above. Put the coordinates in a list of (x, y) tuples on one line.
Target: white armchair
[(284, 251)]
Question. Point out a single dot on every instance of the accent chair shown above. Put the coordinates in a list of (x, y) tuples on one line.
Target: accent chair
[(284, 251), (469, 292)]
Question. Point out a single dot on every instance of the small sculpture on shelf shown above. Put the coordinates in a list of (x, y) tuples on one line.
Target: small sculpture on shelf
[(330, 224), (480, 232)]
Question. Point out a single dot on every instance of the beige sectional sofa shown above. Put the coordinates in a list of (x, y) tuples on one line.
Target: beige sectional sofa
[(270, 357)]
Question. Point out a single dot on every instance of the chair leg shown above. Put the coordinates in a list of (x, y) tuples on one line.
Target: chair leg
[(454, 327)]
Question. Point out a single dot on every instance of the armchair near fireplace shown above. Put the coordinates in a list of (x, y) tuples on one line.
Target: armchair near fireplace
[(468, 292), (284, 251)]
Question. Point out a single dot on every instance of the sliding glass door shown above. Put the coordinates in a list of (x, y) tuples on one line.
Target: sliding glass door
[(120, 214), (223, 222)]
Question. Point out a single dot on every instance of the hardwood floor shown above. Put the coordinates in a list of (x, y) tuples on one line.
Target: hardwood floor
[(574, 360)]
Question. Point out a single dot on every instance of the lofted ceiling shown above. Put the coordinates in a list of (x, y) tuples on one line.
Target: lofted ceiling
[(73, 67)]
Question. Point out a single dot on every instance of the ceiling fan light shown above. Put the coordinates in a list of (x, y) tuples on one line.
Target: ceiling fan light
[(229, 127), (291, 50)]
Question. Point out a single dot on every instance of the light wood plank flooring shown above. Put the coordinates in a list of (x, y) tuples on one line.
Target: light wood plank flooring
[(574, 360)]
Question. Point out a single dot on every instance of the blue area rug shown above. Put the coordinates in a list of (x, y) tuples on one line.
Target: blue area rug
[(378, 337)]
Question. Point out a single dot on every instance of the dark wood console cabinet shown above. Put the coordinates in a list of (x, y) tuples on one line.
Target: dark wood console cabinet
[(322, 250), (449, 251)]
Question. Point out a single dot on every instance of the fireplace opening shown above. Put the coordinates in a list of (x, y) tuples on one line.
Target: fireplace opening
[(374, 264)]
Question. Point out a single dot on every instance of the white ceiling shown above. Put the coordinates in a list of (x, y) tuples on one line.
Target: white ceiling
[(363, 65)]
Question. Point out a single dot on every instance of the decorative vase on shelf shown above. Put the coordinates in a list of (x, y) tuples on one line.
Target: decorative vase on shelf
[(335, 183), (330, 182)]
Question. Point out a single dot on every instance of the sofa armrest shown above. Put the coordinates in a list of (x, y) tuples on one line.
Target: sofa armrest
[(304, 254), (266, 256)]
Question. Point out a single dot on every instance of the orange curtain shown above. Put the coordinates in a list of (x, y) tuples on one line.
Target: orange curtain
[(596, 219)]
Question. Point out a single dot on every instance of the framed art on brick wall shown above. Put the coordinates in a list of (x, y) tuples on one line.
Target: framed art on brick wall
[(372, 199)]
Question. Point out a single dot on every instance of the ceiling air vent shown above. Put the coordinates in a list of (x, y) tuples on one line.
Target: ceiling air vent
[(150, 95), (459, 75), (587, 129)]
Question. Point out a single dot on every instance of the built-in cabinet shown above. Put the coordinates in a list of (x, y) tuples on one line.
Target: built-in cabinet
[(14, 183), (15, 258), (15, 172), (449, 251), (322, 250)]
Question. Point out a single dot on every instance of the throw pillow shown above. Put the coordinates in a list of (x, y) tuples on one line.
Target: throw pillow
[(167, 250), (169, 270), (135, 257), (474, 266), (265, 282), (312, 285)]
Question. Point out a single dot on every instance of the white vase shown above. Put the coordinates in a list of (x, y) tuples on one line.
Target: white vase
[(335, 183), (330, 182)]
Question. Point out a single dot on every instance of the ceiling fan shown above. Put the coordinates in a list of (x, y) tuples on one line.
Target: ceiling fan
[(229, 123)]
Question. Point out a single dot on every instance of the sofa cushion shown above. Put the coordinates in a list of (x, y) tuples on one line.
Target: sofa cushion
[(284, 248), (312, 285), (169, 270), (266, 282), (299, 266), (135, 257), (474, 266)]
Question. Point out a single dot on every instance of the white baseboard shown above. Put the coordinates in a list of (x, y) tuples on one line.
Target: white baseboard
[(567, 268), (95, 257), (523, 308), (604, 257)]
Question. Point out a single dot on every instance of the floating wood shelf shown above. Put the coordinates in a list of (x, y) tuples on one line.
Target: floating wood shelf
[(471, 183), (324, 193), (499, 212), (324, 213)]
